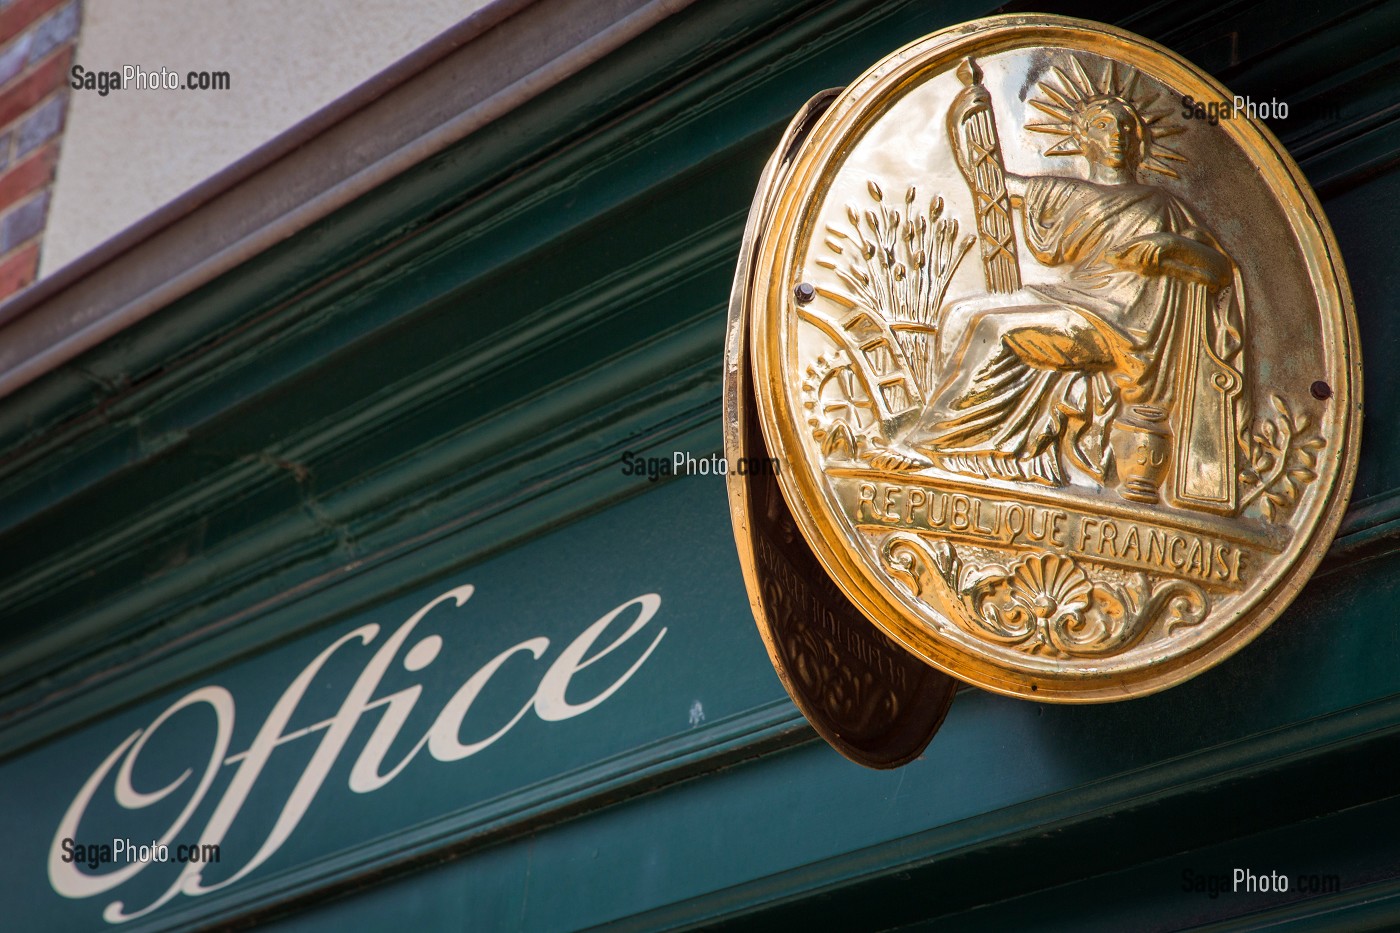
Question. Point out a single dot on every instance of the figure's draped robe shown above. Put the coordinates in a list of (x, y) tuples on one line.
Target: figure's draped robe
[(1045, 375)]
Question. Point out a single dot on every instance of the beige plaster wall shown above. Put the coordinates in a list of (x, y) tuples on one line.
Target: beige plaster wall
[(127, 153)]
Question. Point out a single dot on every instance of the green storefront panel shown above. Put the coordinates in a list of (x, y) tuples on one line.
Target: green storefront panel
[(449, 382)]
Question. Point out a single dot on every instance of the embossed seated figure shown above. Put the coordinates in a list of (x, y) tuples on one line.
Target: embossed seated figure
[(1046, 373)]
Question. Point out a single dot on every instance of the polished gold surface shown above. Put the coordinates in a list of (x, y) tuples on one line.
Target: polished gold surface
[(1040, 357), (870, 699)]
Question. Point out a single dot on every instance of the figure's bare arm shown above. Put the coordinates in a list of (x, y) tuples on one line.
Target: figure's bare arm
[(1199, 260), (1174, 254)]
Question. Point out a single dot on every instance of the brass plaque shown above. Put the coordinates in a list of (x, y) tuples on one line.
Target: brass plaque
[(869, 698), (1065, 382)]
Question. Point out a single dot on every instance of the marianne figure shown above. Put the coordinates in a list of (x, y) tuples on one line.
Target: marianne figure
[(1130, 367)]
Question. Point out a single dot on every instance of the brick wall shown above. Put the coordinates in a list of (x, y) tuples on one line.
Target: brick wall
[(37, 38)]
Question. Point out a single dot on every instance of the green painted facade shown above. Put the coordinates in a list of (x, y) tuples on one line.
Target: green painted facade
[(436, 387)]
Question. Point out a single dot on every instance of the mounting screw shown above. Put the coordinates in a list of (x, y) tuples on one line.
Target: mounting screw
[(804, 292), (1321, 391)]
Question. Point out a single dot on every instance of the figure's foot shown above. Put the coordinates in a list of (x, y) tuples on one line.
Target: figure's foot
[(897, 460)]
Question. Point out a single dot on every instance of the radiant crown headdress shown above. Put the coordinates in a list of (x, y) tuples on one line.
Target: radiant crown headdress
[(1075, 92)]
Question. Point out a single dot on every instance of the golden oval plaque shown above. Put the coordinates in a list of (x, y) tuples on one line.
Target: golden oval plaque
[(1066, 382)]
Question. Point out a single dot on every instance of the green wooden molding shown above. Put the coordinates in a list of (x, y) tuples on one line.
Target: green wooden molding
[(978, 860)]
